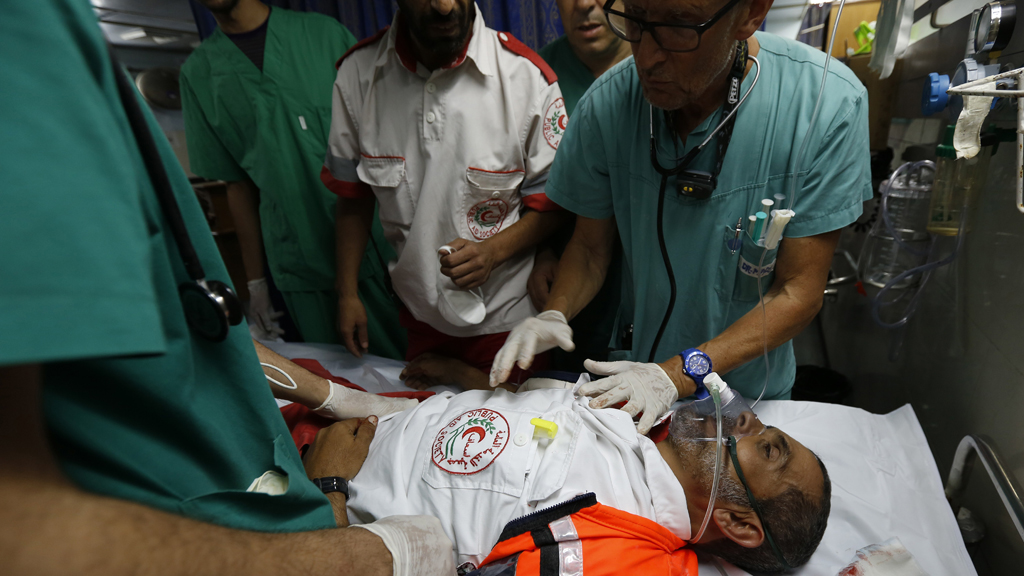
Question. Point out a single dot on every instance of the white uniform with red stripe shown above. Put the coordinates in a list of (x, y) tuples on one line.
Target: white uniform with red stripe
[(454, 153), (472, 461)]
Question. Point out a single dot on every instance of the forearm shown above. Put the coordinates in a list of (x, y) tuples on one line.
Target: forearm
[(311, 390), (48, 526), (353, 221), (54, 528), (243, 200), (532, 229), (582, 268), (788, 312)]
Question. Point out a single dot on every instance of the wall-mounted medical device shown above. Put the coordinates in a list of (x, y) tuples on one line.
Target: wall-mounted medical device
[(990, 31)]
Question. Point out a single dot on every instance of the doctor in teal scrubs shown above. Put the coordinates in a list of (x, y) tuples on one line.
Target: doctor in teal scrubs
[(603, 172), (257, 102)]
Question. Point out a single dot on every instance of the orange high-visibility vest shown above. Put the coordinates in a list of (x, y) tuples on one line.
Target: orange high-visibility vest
[(584, 538)]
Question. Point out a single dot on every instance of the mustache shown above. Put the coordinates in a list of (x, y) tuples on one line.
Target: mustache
[(455, 16)]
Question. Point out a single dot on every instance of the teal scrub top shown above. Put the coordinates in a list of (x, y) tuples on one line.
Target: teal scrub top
[(136, 406), (603, 170), (271, 126), (573, 75)]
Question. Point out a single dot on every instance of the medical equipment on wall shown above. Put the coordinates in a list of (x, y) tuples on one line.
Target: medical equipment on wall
[(899, 240), (211, 307), (957, 183), (990, 31)]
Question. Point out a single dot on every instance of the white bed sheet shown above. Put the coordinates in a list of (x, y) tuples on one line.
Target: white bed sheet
[(884, 480)]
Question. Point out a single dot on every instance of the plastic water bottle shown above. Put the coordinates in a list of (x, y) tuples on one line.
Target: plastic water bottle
[(907, 201)]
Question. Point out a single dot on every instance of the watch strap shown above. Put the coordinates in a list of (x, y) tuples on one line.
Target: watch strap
[(697, 378), (329, 484)]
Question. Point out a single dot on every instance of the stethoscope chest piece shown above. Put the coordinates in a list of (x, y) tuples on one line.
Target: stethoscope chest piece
[(211, 308)]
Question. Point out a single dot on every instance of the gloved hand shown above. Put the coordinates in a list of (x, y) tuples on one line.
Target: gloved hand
[(533, 335), (645, 388), (262, 316), (343, 403), (418, 545)]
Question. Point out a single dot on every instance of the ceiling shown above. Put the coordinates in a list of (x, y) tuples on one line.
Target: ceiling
[(156, 24)]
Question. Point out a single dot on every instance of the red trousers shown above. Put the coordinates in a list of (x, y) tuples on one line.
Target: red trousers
[(477, 351)]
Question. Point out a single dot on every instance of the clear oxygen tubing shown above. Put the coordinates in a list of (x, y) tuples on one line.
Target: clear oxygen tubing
[(282, 385), (716, 395), (924, 270), (791, 200)]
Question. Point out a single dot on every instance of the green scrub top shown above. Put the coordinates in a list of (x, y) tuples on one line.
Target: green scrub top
[(594, 326), (271, 126), (603, 170), (573, 75), (136, 406)]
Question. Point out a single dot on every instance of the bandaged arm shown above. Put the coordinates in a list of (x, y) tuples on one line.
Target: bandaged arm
[(50, 526), (326, 398)]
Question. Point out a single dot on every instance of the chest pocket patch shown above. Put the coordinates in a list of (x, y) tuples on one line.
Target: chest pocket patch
[(470, 442)]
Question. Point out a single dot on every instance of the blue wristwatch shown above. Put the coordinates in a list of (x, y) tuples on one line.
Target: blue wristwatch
[(696, 365)]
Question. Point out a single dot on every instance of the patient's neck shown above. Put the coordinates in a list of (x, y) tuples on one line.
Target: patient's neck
[(696, 499)]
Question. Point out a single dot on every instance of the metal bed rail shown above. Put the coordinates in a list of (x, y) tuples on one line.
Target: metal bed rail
[(970, 449)]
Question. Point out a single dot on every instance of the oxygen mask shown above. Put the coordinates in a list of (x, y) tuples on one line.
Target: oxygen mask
[(698, 429)]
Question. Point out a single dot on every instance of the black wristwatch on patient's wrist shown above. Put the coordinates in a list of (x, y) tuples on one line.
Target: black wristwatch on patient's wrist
[(330, 484)]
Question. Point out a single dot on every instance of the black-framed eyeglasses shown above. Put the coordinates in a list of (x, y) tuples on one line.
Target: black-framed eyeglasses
[(732, 443), (669, 36)]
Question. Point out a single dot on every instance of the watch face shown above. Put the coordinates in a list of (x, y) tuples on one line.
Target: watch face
[(698, 364)]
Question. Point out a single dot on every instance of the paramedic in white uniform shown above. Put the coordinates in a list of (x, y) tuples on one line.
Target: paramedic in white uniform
[(472, 461), (451, 127)]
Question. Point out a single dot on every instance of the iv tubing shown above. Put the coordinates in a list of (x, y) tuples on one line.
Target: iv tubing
[(792, 193), (817, 108), (716, 395), (272, 367)]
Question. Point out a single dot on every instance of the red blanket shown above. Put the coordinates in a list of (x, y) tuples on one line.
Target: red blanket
[(304, 424)]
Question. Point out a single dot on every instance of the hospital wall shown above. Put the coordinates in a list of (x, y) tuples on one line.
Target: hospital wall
[(960, 360)]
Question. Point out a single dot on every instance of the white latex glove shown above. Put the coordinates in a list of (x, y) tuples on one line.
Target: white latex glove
[(644, 387), (532, 336), (418, 545), (262, 315), (343, 403)]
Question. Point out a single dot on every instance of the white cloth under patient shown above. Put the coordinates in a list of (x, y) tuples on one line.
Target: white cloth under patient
[(890, 558), (472, 460)]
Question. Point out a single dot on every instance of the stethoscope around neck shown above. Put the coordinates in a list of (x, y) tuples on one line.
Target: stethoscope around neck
[(693, 183)]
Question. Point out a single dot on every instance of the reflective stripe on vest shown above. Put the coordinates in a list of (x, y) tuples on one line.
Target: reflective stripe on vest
[(583, 537)]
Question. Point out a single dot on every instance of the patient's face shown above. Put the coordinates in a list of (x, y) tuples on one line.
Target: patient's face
[(772, 461)]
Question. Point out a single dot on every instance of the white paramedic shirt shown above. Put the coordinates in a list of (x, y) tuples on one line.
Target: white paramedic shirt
[(472, 461), (457, 152)]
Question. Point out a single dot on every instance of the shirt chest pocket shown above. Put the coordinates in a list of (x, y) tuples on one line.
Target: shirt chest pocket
[(742, 266), (467, 453), (490, 202), (387, 176)]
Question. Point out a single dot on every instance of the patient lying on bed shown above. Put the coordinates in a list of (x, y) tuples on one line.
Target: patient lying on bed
[(480, 460)]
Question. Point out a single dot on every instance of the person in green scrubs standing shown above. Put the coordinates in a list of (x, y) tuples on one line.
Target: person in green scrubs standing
[(257, 101), (673, 92), (586, 50), (132, 445)]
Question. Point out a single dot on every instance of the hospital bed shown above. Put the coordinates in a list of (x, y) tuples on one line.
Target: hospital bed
[(884, 480)]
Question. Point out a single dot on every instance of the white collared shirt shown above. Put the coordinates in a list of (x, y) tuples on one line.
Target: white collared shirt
[(457, 152), (472, 460)]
